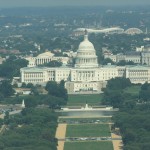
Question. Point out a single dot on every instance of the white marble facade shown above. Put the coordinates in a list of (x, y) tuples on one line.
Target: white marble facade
[(45, 57), (87, 76)]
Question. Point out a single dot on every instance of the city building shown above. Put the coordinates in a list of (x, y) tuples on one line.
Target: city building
[(111, 30), (2, 60), (87, 76), (145, 55), (130, 56), (133, 31), (46, 57), (140, 56)]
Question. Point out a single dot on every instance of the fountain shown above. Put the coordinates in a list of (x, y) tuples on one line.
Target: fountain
[(87, 108)]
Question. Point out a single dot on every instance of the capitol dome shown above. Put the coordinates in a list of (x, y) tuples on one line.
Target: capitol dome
[(86, 45), (86, 55)]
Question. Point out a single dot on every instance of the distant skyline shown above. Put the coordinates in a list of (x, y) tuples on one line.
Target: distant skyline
[(48, 3)]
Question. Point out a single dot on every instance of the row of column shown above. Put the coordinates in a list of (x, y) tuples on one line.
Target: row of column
[(42, 61), (87, 60), (85, 76)]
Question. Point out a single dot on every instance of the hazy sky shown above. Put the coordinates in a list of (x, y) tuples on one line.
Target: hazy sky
[(38, 3)]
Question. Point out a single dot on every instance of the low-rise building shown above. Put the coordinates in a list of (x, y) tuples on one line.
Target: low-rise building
[(140, 56)]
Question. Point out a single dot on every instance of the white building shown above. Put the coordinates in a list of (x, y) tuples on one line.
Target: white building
[(133, 31), (112, 30), (146, 55), (45, 58), (140, 56), (87, 76), (135, 57), (138, 74), (2, 60)]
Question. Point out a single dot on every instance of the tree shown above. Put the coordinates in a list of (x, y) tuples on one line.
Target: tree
[(15, 85), (130, 63), (144, 93), (118, 83), (38, 127), (113, 93), (23, 85), (129, 136), (6, 88), (121, 63), (113, 98), (107, 60), (62, 84), (11, 67), (52, 88), (145, 86), (6, 117), (29, 85), (57, 90), (30, 102), (34, 91), (1, 97)]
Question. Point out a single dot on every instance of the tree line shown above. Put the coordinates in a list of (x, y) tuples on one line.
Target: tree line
[(11, 67), (35, 127), (32, 129), (133, 117)]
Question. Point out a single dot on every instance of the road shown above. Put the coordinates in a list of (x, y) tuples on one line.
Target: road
[(71, 139), (2, 129), (11, 113)]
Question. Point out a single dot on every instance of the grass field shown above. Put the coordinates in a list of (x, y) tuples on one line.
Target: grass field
[(134, 90), (92, 99), (102, 119), (88, 145), (88, 130)]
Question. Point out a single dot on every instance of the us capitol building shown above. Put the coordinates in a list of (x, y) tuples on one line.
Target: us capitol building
[(87, 76)]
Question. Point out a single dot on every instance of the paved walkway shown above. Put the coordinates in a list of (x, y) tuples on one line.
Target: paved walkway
[(117, 144), (2, 129), (60, 134), (11, 113)]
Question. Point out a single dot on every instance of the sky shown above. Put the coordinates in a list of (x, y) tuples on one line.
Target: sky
[(48, 3)]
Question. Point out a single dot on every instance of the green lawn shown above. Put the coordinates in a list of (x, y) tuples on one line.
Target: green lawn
[(92, 99), (104, 145), (134, 90), (101, 120), (88, 130)]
